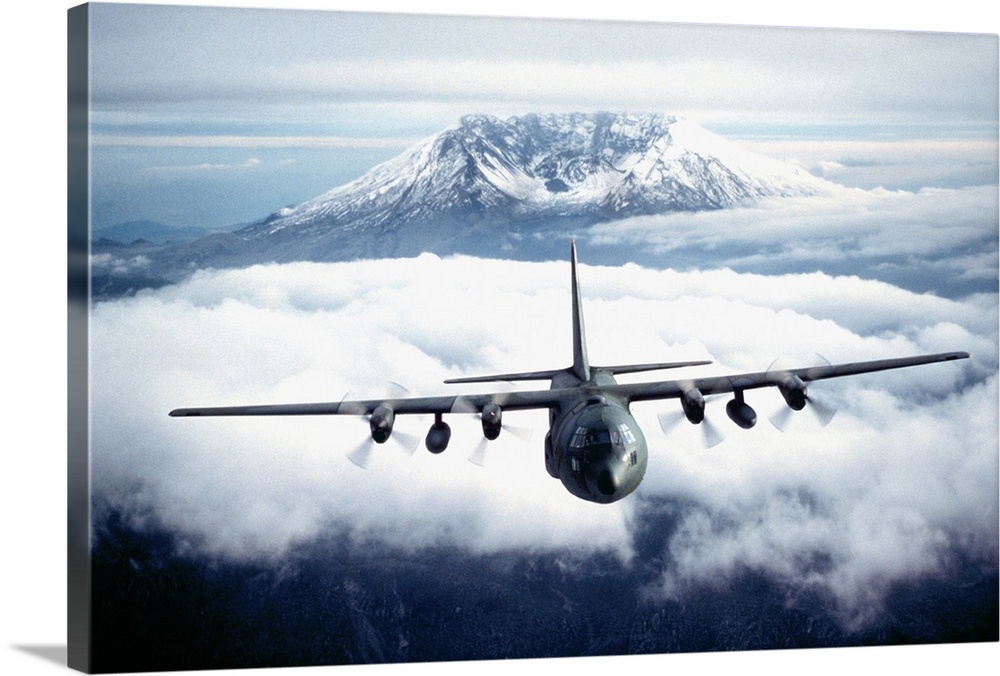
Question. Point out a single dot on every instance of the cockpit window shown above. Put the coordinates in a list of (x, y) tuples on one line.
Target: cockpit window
[(627, 436), (618, 436), (596, 438)]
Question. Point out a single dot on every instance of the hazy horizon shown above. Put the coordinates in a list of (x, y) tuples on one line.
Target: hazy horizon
[(211, 117)]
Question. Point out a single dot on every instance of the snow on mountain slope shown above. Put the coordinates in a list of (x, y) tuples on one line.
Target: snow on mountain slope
[(517, 187), (596, 166)]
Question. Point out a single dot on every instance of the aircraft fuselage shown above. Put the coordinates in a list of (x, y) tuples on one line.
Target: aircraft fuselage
[(594, 446)]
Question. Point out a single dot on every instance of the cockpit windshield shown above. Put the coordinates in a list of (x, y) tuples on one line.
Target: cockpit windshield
[(617, 436)]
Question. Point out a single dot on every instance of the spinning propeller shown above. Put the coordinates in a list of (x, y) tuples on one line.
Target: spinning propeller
[(796, 397), (692, 408), (491, 417), (380, 426)]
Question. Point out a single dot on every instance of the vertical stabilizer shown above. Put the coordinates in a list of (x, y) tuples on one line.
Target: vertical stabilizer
[(581, 364)]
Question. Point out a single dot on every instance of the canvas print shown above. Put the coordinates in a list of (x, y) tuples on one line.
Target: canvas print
[(410, 338)]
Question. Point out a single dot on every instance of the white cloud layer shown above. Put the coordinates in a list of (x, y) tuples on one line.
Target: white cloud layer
[(894, 163), (951, 233), (904, 475), (153, 57)]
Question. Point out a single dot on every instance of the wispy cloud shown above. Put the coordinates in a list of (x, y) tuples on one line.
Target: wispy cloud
[(251, 163), (249, 142), (891, 163)]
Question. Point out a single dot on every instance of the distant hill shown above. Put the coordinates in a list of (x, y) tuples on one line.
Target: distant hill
[(149, 231)]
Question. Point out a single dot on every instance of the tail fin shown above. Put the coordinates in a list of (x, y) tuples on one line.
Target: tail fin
[(581, 364)]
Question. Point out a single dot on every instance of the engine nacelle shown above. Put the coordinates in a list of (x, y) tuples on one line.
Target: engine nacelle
[(492, 415), (693, 403), (381, 423), (438, 436), (793, 391), (741, 413)]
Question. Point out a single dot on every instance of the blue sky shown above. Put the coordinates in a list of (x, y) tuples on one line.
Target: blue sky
[(215, 116)]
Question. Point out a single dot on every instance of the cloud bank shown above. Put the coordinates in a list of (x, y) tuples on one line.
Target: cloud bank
[(902, 479), (935, 238), (153, 58)]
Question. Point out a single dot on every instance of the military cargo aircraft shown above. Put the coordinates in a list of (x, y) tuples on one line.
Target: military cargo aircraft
[(594, 445)]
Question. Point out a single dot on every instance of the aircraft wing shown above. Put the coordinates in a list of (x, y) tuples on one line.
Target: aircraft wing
[(538, 399), (461, 403), (777, 378)]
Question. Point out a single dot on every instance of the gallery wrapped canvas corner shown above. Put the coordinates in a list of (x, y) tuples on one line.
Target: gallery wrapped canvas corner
[(419, 339)]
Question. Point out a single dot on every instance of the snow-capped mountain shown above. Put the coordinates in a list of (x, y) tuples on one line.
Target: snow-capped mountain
[(489, 187), (582, 166)]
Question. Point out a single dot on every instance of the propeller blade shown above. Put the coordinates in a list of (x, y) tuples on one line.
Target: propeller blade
[(407, 441), (711, 435), (362, 454), (781, 418), (463, 405), (478, 456), (396, 391), (348, 408), (522, 433), (669, 420), (824, 413)]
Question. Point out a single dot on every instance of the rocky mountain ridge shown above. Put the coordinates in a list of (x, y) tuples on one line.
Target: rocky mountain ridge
[(516, 188), (602, 166)]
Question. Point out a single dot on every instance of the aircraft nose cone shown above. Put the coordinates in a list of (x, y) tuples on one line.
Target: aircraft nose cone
[(607, 482)]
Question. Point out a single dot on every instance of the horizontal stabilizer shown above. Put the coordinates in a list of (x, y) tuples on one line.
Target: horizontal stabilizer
[(507, 377), (549, 375), (639, 368)]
